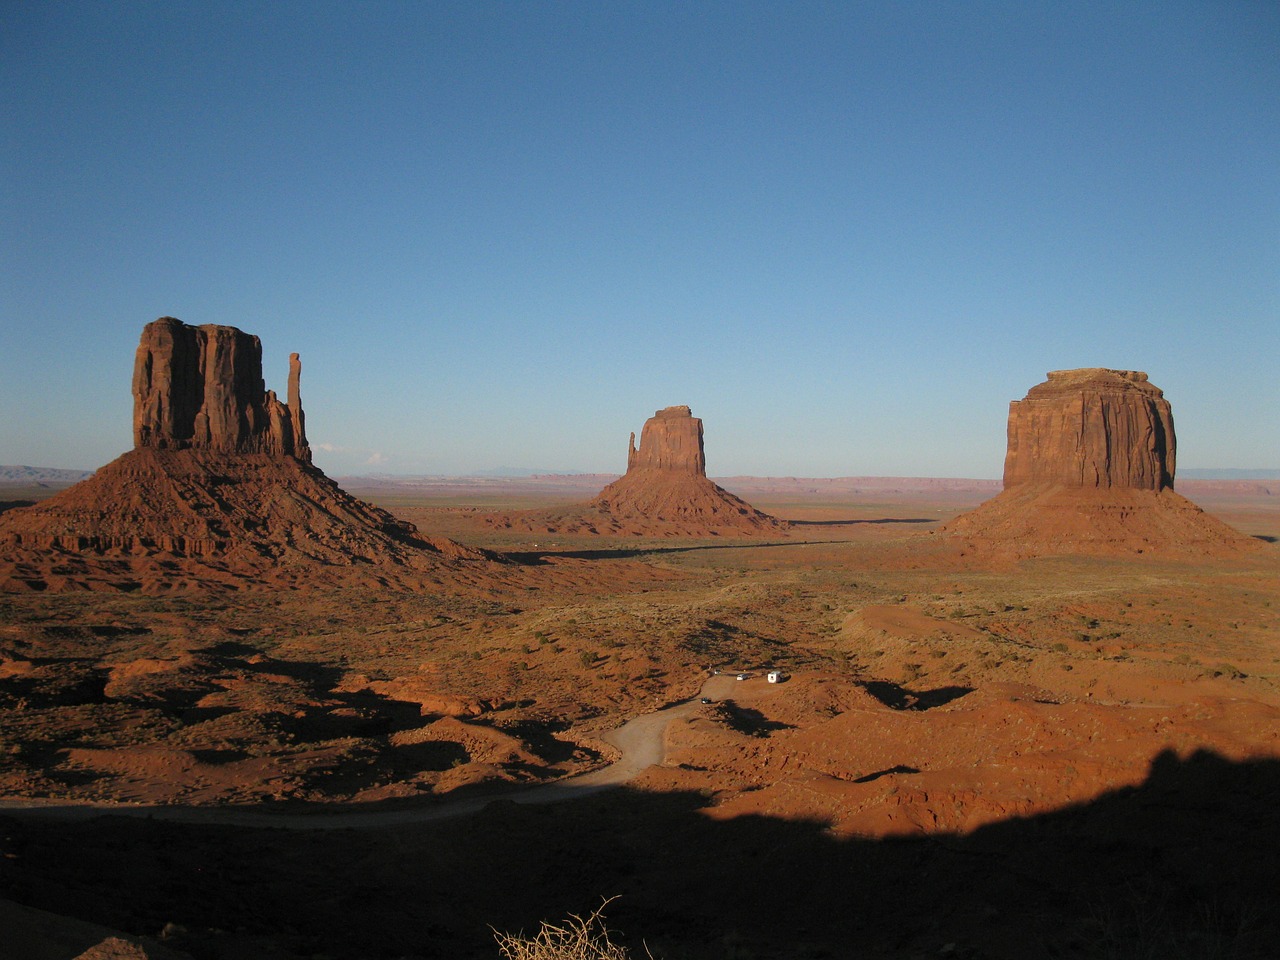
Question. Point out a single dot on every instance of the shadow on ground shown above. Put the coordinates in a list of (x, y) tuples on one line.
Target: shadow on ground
[(1183, 865), (849, 523), (536, 557)]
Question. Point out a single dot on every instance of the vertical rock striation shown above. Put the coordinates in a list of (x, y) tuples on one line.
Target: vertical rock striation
[(201, 388), (1092, 428)]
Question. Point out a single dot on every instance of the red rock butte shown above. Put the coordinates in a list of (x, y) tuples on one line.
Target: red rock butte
[(1092, 428), (666, 483), (219, 491), (201, 388), (1089, 470), (664, 493)]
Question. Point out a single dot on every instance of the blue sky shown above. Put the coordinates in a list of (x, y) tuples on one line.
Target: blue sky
[(503, 234)]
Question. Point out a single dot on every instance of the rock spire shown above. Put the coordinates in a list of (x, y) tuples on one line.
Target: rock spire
[(666, 490), (219, 492)]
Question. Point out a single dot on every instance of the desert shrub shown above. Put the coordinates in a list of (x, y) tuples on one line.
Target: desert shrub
[(578, 938)]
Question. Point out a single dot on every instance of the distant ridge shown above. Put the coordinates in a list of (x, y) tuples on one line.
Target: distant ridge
[(1221, 473), (48, 475)]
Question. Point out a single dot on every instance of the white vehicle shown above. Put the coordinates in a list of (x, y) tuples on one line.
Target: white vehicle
[(776, 676), (742, 676)]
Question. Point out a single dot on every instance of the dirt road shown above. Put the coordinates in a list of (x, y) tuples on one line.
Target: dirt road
[(640, 740)]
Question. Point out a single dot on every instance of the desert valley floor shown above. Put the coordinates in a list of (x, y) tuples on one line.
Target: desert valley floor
[(970, 756)]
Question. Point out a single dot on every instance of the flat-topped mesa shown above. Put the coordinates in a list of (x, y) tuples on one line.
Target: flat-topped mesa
[(201, 388), (670, 441), (1092, 428)]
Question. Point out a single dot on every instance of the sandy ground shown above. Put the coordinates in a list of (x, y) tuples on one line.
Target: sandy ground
[(1061, 757)]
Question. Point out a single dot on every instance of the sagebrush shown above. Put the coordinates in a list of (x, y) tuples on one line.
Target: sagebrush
[(578, 938)]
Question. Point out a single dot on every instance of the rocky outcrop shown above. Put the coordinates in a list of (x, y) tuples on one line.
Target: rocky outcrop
[(666, 488), (201, 388), (1089, 470), (219, 491), (1092, 428), (664, 493)]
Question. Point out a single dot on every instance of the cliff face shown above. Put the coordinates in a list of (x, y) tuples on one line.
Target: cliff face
[(201, 388), (1093, 428)]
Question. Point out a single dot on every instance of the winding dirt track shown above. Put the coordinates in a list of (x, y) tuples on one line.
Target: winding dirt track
[(640, 740)]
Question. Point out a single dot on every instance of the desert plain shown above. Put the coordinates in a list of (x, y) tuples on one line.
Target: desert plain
[(970, 755)]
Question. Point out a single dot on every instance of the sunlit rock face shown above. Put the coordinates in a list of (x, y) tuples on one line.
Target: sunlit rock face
[(670, 441), (1093, 428), (201, 388), (666, 483)]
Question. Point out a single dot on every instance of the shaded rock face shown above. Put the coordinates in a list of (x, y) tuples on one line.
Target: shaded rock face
[(201, 388), (670, 441), (1093, 428)]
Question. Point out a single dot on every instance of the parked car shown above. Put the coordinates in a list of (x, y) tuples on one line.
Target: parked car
[(743, 676)]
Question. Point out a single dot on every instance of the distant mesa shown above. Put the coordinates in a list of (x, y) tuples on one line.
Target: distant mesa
[(219, 490), (1090, 470), (665, 492)]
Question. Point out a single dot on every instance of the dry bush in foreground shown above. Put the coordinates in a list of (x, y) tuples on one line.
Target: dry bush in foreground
[(578, 938)]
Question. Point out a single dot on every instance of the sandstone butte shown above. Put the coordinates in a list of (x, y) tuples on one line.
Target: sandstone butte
[(1090, 470), (666, 482), (664, 493), (201, 388), (219, 490)]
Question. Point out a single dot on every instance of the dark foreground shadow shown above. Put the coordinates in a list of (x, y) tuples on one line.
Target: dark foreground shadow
[(1184, 865), (900, 698)]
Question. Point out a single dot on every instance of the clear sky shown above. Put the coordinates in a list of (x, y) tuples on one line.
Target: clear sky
[(503, 234)]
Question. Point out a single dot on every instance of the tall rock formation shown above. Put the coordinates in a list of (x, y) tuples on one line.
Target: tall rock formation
[(671, 442), (201, 388), (664, 493), (666, 490), (1092, 428), (219, 491), (1089, 470)]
